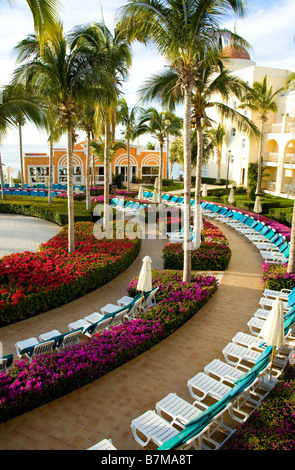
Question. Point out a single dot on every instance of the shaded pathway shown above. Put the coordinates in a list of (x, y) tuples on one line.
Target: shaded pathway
[(105, 408)]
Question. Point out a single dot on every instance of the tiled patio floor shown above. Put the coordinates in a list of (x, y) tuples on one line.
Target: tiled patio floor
[(105, 408)]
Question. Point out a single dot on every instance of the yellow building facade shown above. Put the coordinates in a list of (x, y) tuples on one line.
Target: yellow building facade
[(279, 132)]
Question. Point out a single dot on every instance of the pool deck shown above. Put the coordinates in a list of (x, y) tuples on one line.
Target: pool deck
[(106, 407)]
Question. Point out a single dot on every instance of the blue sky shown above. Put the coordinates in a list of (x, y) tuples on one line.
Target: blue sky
[(269, 28)]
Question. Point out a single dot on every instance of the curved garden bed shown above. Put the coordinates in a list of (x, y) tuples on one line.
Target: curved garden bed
[(26, 385), (214, 253), (32, 283)]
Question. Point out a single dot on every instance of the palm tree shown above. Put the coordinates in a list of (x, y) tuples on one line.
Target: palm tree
[(45, 15), (64, 77), (88, 123), (113, 53), (127, 116), (176, 153), (261, 100), (217, 136), (178, 28), (159, 125), (213, 81), (55, 131), (17, 104)]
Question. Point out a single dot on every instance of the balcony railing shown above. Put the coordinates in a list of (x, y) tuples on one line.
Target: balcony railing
[(271, 157), (285, 127)]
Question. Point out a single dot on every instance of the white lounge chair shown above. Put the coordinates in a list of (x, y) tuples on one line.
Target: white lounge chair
[(181, 412), (202, 386), (32, 347), (223, 371), (118, 318), (134, 310), (27, 343), (105, 444), (247, 340), (274, 294), (70, 339), (78, 324), (255, 324), (235, 354), (94, 317), (150, 427), (5, 361), (96, 327), (109, 308), (49, 335), (267, 303)]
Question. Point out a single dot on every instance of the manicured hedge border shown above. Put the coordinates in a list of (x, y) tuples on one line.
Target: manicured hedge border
[(55, 212), (26, 386)]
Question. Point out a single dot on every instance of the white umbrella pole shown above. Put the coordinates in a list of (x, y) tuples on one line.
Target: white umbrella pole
[(271, 363), (141, 302)]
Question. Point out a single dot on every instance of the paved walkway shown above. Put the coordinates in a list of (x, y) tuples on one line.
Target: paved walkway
[(19, 233), (105, 408)]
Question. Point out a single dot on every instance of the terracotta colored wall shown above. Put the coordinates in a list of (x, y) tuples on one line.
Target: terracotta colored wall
[(146, 157)]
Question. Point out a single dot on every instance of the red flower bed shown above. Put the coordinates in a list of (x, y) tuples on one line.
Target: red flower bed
[(31, 283)]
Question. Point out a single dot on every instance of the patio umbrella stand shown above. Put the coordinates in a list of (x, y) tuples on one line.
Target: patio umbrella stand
[(273, 331), (257, 206), (145, 278)]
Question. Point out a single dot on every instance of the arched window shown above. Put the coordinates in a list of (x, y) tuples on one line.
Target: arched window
[(244, 143), (233, 132)]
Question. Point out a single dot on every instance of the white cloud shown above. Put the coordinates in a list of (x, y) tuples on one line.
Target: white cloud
[(270, 31)]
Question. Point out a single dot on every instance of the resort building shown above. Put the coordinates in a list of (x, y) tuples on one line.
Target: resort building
[(144, 164), (279, 131)]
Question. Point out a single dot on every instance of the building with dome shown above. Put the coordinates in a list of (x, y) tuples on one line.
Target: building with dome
[(279, 131)]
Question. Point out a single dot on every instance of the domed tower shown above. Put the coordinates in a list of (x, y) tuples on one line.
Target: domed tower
[(236, 57)]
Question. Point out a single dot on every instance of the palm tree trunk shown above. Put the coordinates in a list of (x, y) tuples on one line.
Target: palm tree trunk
[(259, 172), (167, 159), (107, 171), (128, 164), (187, 183), (161, 172), (93, 167), (88, 171), (218, 179), (197, 221), (20, 136), (70, 190), (50, 171), (2, 179), (291, 263)]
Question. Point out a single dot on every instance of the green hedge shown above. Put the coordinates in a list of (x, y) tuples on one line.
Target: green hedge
[(283, 215), (55, 212)]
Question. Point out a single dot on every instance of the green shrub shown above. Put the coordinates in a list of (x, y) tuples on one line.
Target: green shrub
[(56, 212), (275, 277)]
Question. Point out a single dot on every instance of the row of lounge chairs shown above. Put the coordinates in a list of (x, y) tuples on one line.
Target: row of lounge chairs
[(236, 386), (273, 247), (127, 308), (128, 207)]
